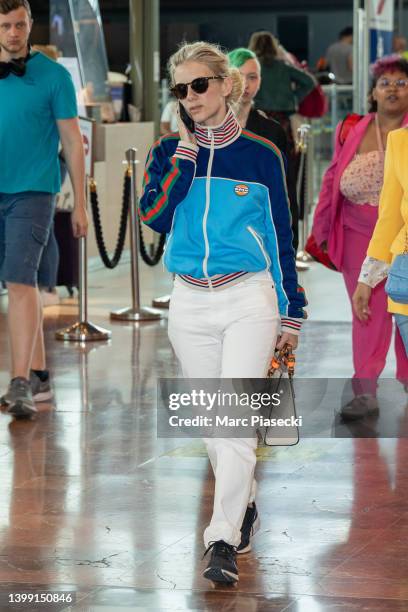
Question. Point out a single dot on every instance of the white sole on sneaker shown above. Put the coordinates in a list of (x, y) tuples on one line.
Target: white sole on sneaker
[(247, 549), (39, 397), (43, 397), (20, 410)]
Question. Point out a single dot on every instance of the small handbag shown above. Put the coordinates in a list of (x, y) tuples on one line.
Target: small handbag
[(396, 286), (281, 370)]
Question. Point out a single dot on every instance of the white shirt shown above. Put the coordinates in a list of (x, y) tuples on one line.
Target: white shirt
[(169, 115), (373, 271)]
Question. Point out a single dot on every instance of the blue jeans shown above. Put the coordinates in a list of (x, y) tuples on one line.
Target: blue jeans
[(402, 322), (25, 222)]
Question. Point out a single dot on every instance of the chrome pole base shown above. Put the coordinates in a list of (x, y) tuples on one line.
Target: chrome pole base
[(302, 266), (303, 256), (83, 332), (133, 314), (161, 302)]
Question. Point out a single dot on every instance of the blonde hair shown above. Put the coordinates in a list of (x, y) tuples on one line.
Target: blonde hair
[(213, 57)]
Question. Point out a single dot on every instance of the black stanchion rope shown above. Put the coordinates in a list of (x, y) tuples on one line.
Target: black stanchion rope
[(108, 262), (152, 260), (155, 258)]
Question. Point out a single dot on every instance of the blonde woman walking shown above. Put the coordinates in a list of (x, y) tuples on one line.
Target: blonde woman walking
[(219, 192)]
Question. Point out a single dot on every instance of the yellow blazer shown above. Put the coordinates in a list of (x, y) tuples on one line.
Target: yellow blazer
[(391, 230)]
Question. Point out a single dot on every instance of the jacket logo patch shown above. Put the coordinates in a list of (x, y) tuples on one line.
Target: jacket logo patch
[(241, 190)]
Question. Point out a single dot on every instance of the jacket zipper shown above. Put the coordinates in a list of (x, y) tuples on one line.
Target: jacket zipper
[(170, 236), (206, 211), (261, 245)]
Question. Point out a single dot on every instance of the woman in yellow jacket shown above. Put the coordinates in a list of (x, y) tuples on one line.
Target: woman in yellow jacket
[(391, 232)]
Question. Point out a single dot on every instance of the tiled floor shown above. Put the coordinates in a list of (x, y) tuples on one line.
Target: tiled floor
[(92, 502)]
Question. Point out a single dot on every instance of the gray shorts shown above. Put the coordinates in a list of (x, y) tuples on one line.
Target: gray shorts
[(25, 221)]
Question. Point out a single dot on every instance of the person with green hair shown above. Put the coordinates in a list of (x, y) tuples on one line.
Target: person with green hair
[(257, 122)]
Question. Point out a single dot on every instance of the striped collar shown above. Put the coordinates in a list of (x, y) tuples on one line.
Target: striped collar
[(224, 134)]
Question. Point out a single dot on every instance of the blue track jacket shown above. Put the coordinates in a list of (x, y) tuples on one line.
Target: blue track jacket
[(224, 205)]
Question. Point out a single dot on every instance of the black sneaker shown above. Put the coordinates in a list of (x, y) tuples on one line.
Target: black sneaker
[(222, 566), (250, 525)]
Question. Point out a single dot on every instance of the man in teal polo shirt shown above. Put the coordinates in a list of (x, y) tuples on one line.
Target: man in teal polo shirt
[(37, 110)]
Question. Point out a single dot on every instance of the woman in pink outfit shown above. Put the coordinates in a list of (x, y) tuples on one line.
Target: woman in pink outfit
[(345, 218)]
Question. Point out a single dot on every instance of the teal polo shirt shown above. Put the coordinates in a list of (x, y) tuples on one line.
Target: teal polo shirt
[(29, 109)]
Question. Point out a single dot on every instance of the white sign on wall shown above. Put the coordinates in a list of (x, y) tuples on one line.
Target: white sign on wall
[(72, 65), (381, 27), (87, 126)]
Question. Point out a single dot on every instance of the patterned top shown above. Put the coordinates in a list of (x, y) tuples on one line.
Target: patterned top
[(362, 180)]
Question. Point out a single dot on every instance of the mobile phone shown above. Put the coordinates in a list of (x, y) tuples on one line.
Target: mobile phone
[(186, 119)]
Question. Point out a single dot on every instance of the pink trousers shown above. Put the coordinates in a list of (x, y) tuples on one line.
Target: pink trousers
[(371, 340)]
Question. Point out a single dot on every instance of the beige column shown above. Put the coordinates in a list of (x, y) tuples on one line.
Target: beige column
[(145, 57)]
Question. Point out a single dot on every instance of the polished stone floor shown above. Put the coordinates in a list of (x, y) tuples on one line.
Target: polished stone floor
[(93, 503)]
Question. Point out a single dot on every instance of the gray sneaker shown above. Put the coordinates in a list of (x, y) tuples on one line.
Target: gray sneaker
[(20, 398), (40, 390), (360, 406)]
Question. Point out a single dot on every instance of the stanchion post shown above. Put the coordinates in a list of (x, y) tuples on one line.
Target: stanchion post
[(309, 191), (303, 144), (83, 275), (134, 233), (134, 312), (83, 330)]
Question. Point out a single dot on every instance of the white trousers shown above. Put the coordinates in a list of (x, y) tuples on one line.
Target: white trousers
[(226, 334)]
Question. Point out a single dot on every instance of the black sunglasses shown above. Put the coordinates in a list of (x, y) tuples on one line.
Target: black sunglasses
[(200, 86)]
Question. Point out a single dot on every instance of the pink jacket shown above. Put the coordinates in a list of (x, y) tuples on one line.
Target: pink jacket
[(328, 217)]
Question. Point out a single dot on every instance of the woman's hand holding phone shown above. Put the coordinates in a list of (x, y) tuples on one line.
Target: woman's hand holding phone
[(184, 132)]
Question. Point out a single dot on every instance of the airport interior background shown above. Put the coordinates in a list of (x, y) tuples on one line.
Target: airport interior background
[(92, 502)]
